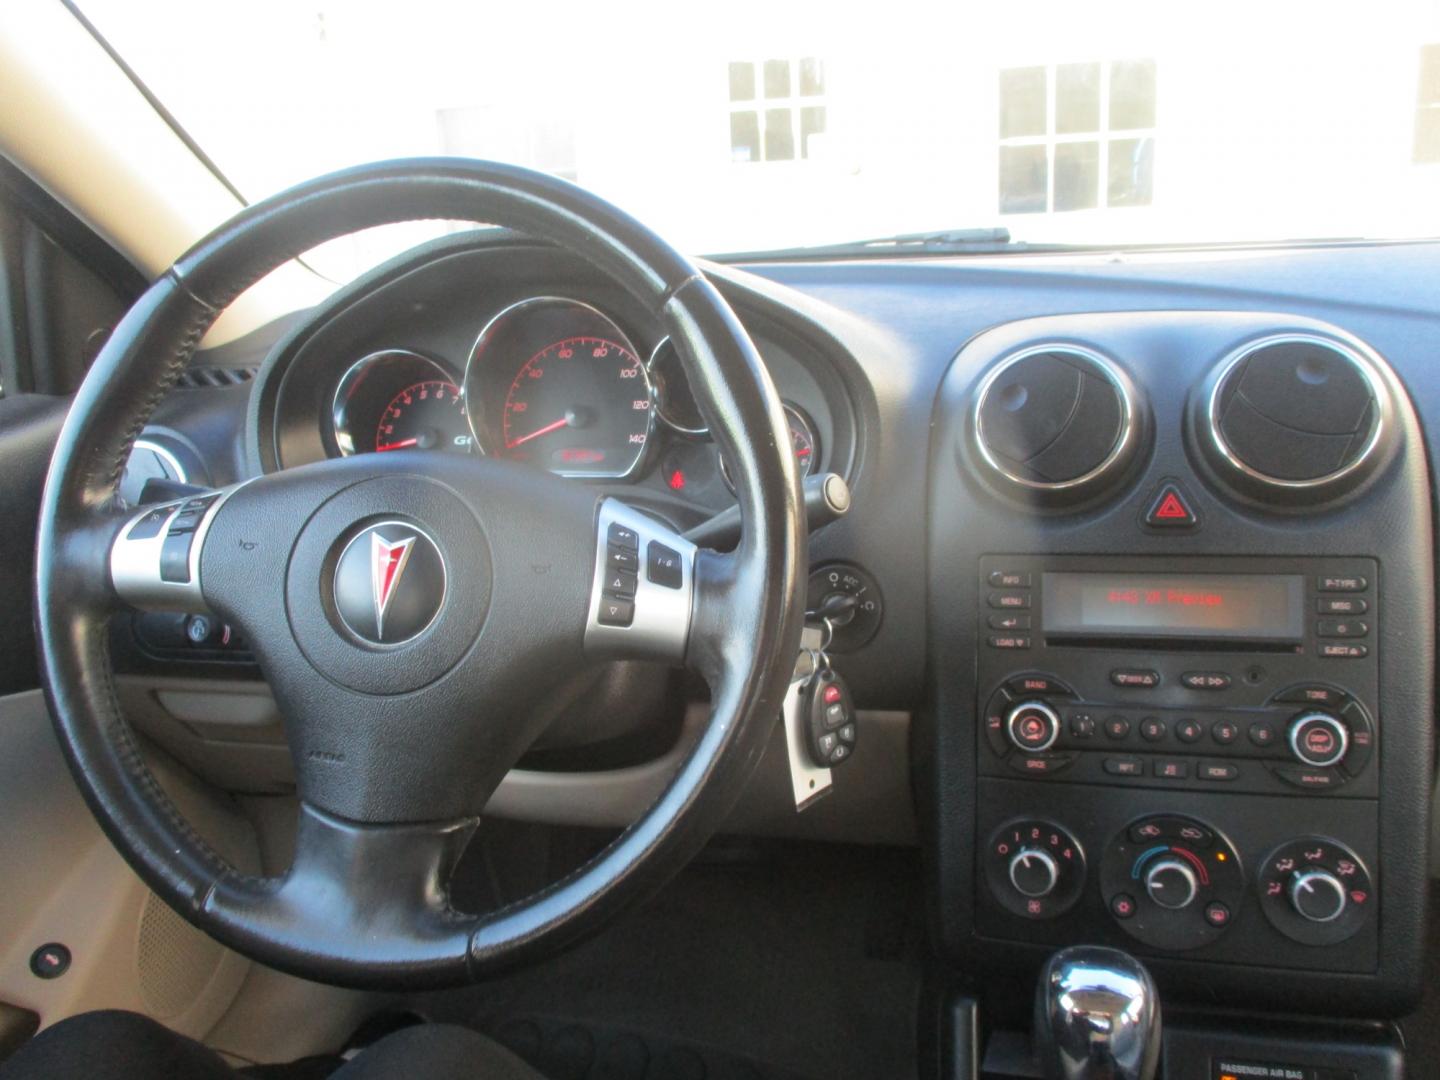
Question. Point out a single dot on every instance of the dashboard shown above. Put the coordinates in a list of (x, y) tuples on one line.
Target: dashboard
[(1144, 653)]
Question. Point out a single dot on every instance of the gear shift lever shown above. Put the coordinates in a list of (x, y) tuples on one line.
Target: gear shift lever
[(1097, 1016)]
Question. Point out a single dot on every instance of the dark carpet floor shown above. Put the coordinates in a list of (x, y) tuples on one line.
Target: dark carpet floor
[(760, 960)]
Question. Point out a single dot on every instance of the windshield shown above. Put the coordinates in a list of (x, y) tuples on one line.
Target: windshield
[(768, 125)]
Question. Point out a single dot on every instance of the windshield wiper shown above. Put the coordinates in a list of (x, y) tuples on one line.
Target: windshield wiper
[(942, 242)]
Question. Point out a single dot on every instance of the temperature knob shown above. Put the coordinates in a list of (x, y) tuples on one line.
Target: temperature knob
[(1318, 895), (1033, 872), (1171, 884), (1033, 726), (1318, 739)]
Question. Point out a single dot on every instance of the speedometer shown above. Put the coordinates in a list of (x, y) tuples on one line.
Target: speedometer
[(556, 383)]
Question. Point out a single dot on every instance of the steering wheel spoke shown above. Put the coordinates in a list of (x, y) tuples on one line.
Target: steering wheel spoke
[(155, 558), (643, 590)]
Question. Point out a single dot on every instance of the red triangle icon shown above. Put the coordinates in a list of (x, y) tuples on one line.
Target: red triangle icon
[(1170, 509)]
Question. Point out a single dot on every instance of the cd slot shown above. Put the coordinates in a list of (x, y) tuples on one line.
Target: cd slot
[(1175, 644)]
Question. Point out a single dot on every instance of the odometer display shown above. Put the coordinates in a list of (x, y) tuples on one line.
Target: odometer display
[(579, 407)]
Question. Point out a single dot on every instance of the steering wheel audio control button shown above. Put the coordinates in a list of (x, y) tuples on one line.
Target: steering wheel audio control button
[(639, 614), (616, 612), (623, 537)]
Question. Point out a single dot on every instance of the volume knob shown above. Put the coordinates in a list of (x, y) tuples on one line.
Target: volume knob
[(1033, 726), (1318, 739)]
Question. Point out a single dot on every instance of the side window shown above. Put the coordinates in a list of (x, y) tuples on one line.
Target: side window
[(777, 109), (62, 290), (1077, 136), (1427, 108)]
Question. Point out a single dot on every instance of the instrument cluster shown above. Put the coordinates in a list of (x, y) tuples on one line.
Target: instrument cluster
[(551, 382)]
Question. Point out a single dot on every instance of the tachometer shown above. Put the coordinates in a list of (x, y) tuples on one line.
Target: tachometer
[(804, 443), (424, 416), (556, 383), (399, 400)]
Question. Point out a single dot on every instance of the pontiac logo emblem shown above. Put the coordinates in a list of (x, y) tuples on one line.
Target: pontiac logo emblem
[(389, 583)]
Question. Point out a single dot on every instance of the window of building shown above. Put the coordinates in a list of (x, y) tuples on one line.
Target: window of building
[(1427, 108), (1077, 136), (777, 109)]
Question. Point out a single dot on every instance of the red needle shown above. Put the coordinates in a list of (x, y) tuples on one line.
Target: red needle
[(556, 426), (397, 445)]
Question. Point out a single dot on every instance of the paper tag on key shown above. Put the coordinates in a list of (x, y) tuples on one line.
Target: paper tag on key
[(807, 781)]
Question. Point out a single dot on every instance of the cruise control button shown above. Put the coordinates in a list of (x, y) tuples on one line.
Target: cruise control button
[(615, 612), (1135, 678), (175, 557), (1189, 731), (1008, 622), (1225, 732), (1124, 766), (1341, 584), (149, 526), (1009, 579), (622, 537), (1342, 605), (1007, 601), (662, 565), (1205, 680), (1217, 770)]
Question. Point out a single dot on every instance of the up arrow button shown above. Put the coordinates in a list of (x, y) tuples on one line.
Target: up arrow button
[(1169, 509)]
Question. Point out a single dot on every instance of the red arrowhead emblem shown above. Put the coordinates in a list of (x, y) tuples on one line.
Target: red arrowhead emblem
[(387, 564)]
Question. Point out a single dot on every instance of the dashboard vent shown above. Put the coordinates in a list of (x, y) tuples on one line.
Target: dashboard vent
[(1057, 421), (1294, 415), (205, 378)]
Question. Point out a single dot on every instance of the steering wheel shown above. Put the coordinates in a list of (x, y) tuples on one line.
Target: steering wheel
[(407, 608)]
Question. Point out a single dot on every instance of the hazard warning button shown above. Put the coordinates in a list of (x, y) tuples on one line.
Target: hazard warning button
[(1169, 509)]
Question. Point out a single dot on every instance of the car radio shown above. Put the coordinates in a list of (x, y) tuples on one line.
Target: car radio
[(1252, 675)]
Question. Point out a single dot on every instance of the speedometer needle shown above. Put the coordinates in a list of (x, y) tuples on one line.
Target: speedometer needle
[(556, 426), (401, 445)]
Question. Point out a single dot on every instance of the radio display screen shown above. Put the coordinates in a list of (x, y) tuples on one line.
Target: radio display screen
[(1256, 607)]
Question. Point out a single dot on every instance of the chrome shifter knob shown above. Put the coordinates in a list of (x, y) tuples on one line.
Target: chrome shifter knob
[(1097, 1016)]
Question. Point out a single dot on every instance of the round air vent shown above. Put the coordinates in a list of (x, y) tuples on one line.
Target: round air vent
[(1295, 417), (1058, 422)]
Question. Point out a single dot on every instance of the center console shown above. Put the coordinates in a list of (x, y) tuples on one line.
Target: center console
[(1182, 654)]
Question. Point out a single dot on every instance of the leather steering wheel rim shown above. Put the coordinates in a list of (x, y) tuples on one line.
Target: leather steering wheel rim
[(365, 903)]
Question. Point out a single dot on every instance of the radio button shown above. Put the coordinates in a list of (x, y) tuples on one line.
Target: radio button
[(1341, 605), (1117, 728), (1319, 740), (1225, 732), (1205, 680), (1152, 729), (1262, 733), (1042, 764), (1082, 725), (1189, 731), (1217, 770), (1009, 579), (1332, 628), (1038, 684), (1135, 678), (1311, 695), (1312, 779), (1124, 766), (1341, 584), (1009, 601), (1008, 622), (1339, 651), (1171, 770), (1009, 641), (1033, 726)]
